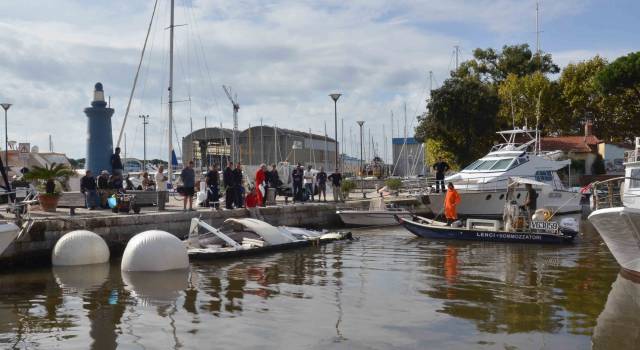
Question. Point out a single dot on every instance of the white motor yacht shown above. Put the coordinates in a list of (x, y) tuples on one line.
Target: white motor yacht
[(617, 214), (483, 184)]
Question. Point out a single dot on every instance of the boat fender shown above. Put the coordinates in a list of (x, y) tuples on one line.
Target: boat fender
[(569, 224), (456, 223), (154, 250), (80, 248)]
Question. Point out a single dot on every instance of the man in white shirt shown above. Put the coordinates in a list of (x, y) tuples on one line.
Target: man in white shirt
[(308, 182), (161, 179)]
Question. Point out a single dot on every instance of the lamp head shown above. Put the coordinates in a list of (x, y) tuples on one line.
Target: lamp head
[(335, 97), (5, 106), (360, 122)]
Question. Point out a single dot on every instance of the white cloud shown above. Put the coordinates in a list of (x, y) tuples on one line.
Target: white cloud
[(282, 57)]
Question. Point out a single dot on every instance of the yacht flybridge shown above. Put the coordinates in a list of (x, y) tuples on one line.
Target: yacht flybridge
[(483, 184)]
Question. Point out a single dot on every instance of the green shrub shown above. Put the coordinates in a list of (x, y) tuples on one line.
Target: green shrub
[(393, 184)]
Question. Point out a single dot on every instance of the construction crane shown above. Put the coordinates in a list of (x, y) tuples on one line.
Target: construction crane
[(234, 137)]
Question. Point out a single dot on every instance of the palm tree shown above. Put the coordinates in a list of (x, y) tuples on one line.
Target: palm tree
[(49, 175)]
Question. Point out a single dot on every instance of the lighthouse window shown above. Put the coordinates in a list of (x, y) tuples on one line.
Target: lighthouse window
[(635, 178)]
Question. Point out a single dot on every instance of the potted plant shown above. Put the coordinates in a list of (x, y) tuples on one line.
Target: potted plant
[(346, 187), (50, 181), (393, 185)]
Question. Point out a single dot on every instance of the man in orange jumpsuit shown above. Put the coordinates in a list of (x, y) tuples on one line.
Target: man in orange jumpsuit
[(260, 183), (451, 200)]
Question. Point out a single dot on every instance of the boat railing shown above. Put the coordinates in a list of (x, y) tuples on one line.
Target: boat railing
[(608, 193), (483, 184)]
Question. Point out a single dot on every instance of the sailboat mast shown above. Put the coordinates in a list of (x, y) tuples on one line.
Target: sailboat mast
[(170, 167)]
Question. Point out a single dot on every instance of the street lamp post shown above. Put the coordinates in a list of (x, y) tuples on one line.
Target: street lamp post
[(6, 106), (335, 98), (361, 123), (145, 121)]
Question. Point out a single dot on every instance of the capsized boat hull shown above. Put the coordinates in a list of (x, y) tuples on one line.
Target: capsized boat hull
[(213, 253), (620, 229), (420, 227), (371, 217)]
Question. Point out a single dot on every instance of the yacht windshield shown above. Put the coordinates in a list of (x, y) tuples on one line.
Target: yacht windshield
[(486, 165), (473, 165), (502, 164)]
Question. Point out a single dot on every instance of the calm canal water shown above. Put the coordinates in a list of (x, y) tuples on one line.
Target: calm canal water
[(386, 291)]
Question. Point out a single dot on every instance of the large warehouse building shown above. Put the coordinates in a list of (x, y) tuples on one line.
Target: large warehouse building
[(258, 145)]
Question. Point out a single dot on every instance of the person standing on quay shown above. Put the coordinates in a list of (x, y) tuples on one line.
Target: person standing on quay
[(336, 183), (308, 182), (227, 178), (321, 180), (261, 178), (188, 176), (237, 184), (161, 179), (89, 188), (296, 177), (451, 201), (213, 193), (441, 167), (116, 163), (274, 180)]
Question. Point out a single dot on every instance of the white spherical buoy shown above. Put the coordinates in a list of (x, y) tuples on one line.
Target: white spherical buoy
[(154, 251), (80, 248)]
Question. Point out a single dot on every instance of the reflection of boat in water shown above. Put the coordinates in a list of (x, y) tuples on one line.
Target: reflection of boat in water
[(618, 326), (617, 214), (483, 184), (516, 227), (240, 237), (378, 214)]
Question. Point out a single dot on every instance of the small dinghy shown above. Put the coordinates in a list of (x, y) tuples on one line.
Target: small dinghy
[(241, 237), (8, 233), (517, 225)]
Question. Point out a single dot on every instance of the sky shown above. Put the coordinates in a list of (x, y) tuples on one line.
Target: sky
[(281, 58)]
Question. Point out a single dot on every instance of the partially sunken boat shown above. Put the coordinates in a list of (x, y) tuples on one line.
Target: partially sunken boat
[(241, 237)]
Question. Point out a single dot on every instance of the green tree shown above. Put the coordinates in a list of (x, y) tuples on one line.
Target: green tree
[(519, 99), (613, 111), (462, 118), (621, 74), (492, 66), (48, 176)]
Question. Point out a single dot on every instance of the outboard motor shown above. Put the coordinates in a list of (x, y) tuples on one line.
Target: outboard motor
[(569, 224)]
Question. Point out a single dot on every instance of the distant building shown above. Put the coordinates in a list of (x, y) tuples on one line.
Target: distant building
[(577, 148), (258, 145), (408, 157), (613, 157)]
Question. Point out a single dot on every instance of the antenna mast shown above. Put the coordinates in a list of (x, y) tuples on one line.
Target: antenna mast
[(171, 25)]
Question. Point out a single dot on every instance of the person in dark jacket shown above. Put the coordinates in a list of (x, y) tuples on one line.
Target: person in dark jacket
[(238, 188), (188, 177), (297, 176), (336, 185), (227, 178), (89, 188), (321, 180), (441, 167), (213, 193), (116, 163)]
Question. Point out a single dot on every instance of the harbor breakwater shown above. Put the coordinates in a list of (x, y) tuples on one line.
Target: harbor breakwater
[(41, 234)]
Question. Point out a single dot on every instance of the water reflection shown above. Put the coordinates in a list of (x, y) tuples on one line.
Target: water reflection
[(387, 290), (156, 288), (618, 326)]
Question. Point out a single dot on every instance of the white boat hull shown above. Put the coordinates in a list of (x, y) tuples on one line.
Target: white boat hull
[(619, 228), (8, 233), (371, 217), (490, 204)]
